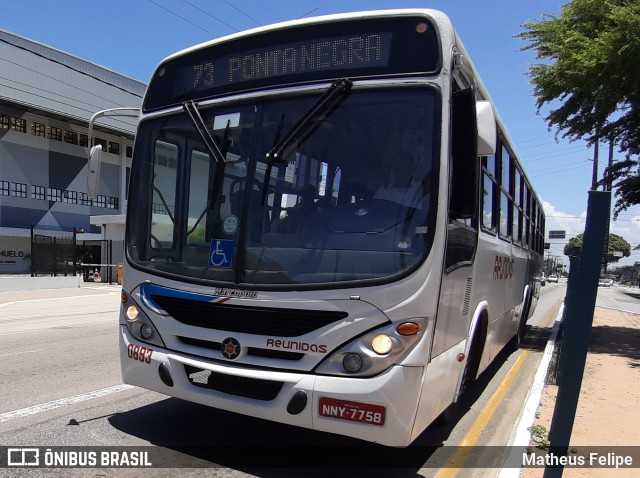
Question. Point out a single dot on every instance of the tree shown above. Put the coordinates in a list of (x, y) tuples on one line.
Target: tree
[(616, 244), (590, 79)]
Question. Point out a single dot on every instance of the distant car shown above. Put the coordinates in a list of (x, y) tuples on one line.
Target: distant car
[(553, 278), (604, 282)]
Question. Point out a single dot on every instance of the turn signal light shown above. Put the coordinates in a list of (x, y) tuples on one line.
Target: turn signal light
[(408, 328)]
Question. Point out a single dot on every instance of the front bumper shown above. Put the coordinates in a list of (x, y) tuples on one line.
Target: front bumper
[(280, 396)]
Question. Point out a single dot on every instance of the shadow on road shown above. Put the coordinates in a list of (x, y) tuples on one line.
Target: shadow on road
[(199, 436), (635, 295), (536, 338)]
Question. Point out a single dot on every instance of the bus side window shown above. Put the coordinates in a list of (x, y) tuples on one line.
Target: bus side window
[(463, 196)]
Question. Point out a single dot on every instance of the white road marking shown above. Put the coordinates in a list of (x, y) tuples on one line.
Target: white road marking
[(25, 301), (23, 352), (63, 402), (107, 321)]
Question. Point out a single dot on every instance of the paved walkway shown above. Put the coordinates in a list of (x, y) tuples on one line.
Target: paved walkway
[(24, 282), (608, 412)]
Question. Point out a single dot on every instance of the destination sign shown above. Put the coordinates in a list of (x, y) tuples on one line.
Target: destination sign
[(345, 52), (325, 51)]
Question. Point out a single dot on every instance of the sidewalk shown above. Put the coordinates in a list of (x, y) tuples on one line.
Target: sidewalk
[(608, 409), (24, 282)]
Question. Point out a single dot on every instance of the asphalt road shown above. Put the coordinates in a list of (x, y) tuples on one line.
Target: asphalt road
[(61, 386)]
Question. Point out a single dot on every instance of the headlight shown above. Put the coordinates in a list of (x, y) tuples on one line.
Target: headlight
[(139, 324), (375, 351), (382, 344), (132, 313)]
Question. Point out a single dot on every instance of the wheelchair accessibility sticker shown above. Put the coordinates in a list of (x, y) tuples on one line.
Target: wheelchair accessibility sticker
[(221, 253)]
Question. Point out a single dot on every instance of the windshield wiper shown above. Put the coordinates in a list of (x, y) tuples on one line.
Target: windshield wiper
[(328, 99), (191, 109)]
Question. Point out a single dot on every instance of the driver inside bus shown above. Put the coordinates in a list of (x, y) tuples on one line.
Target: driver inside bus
[(401, 186)]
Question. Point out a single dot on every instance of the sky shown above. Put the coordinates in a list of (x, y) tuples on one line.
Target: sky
[(131, 37)]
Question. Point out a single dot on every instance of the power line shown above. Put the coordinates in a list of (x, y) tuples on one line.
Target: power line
[(183, 18), (310, 11), (90, 112), (210, 15), (556, 172), (243, 13), (557, 167), (536, 145), (53, 60), (543, 156), (532, 139), (93, 94)]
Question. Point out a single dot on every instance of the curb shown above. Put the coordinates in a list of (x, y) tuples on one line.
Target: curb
[(521, 436)]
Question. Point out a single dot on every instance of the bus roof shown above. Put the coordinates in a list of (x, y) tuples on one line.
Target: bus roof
[(443, 21), (446, 31)]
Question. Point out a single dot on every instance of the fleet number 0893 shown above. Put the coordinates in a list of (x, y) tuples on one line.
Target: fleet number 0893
[(141, 354)]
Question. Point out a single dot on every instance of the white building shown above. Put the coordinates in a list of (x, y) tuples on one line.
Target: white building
[(46, 99)]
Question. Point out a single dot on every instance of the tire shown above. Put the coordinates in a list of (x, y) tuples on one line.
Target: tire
[(468, 376), (473, 362), (517, 341)]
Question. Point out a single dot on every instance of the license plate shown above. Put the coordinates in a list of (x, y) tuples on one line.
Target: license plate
[(352, 411)]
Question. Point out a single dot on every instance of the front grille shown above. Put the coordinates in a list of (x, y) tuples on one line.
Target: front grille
[(256, 389), (249, 320), (207, 344), (254, 351)]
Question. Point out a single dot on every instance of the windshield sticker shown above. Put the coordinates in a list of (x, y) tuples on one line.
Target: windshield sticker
[(230, 225), (221, 253)]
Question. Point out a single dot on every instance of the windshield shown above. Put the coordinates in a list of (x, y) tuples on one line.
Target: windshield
[(348, 197)]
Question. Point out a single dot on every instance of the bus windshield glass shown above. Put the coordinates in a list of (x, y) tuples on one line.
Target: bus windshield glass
[(349, 197)]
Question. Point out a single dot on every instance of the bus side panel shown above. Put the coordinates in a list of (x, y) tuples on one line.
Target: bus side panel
[(439, 387), (495, 282), (453, 321)]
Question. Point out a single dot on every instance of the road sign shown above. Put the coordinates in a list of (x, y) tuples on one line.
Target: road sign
[(557, 234)]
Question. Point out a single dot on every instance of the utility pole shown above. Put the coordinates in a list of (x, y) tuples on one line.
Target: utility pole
[(581, 298), (607, 187), (607, 183), (594, 177)]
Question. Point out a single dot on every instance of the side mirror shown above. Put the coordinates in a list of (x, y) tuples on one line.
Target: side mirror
[(93, 171), (487, 133)]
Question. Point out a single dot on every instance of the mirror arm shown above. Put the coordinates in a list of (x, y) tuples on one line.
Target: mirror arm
[(93, 164)]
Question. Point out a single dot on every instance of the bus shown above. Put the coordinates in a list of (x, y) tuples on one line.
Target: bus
[(327, 226)]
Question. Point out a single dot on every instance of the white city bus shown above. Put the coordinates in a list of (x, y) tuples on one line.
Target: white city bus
[(327, 227)]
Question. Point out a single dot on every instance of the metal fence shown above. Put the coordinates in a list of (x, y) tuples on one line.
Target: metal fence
[(53, 252)]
